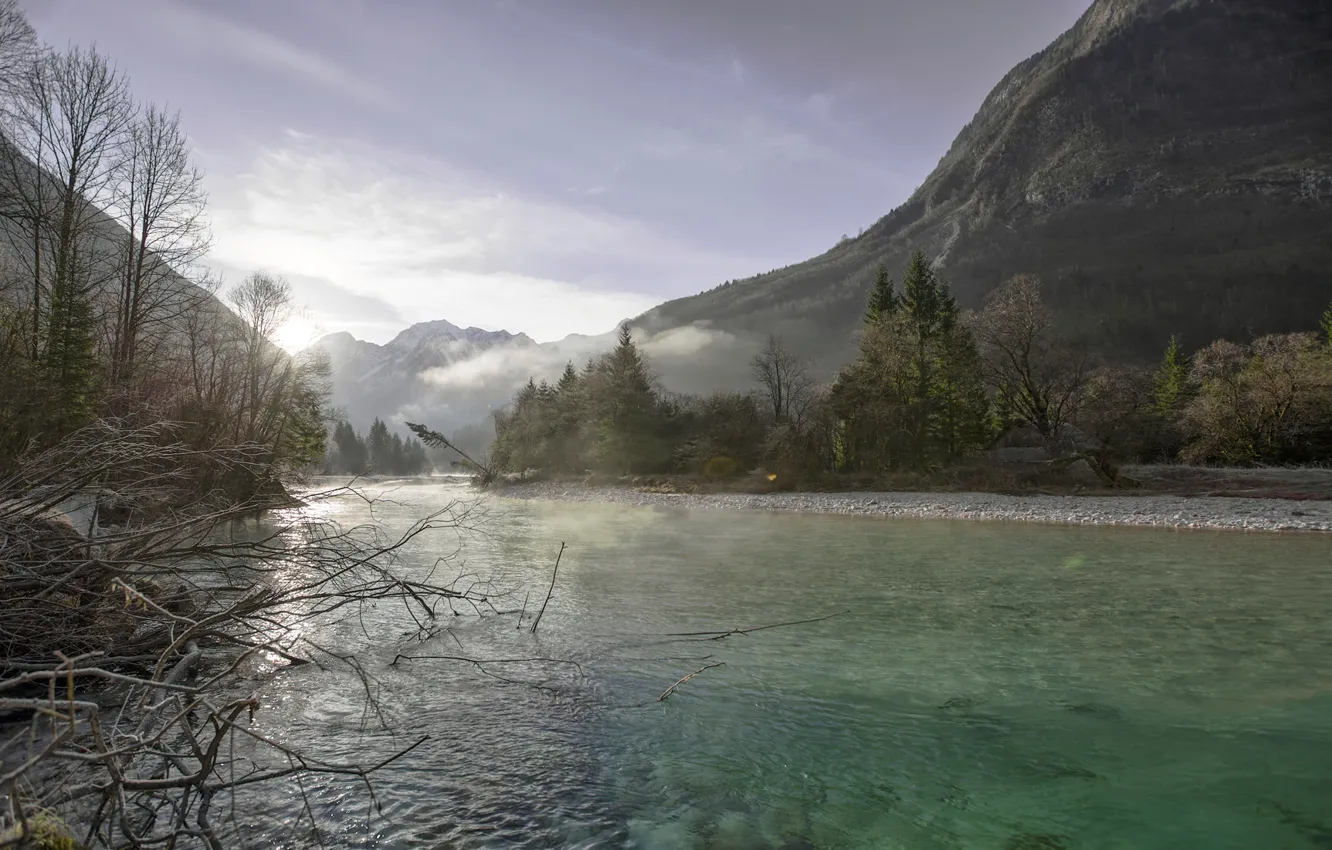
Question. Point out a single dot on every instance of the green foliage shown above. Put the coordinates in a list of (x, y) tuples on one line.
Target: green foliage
[(882, 299), (45, 831), (927, 390), (350, 453), (69, 358), (915, 395), (379, 452), (1170, 383), (1326, 325), (927, 300), (719, 467)]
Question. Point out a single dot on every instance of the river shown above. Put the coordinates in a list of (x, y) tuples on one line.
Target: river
[(991, 685)]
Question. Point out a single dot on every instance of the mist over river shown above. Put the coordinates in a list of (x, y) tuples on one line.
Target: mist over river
[(990, 685)]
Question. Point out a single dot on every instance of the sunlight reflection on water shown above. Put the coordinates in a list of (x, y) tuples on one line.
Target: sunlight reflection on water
[(995, 686)]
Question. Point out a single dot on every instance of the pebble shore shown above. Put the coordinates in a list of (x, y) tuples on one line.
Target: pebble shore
[(1204, 512)]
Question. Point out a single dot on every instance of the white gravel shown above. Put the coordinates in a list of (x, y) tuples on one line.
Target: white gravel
[(1212, 512)]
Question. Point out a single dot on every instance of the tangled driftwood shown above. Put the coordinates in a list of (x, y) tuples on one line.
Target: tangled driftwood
[(158, 603)]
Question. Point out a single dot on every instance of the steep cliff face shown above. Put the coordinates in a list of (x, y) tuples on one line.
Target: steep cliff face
[(1165, 166)]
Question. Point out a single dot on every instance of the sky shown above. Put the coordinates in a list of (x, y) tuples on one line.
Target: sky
[(548, 166)]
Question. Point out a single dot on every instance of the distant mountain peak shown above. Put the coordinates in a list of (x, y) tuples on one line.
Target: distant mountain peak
[(337, 338), (441, 330)]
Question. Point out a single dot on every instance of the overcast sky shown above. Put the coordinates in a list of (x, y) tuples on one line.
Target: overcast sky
[(550, 166)]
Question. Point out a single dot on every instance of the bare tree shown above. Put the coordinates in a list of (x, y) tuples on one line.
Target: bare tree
[(18, 46), (67, 123), (1038, 375), (263, 304), (785, 380), (160, 198)]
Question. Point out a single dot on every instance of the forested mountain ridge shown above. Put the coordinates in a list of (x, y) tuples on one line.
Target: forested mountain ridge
[(1165, 167)]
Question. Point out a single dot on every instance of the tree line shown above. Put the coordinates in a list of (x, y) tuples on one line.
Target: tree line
[(105, 309), (932, 387), (378, 452)]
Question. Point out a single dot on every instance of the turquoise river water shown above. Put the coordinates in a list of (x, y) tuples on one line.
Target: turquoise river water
[(1005, 686)]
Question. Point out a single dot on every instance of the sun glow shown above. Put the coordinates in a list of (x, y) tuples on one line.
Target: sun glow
[(296, 333)]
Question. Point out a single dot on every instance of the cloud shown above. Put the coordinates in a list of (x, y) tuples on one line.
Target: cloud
[(205, 31), (694, 359), (376, 233), (686, 341), (505, 368)]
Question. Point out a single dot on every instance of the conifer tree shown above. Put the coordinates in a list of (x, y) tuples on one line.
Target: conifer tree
[(70, 359), (625, 406), (380, 447), (1170, 383), (351, 449), (1326, 325), (927, 300), (882, 298)]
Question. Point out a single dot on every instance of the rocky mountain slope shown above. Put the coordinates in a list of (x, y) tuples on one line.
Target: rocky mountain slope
[(1165, 166)]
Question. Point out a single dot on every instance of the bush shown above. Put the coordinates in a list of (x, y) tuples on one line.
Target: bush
[(719, 467)]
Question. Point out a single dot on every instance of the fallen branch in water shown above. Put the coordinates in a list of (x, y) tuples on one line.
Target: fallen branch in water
[(550, 592), (480, 664), (486, 473), (480, 661), (666, 693), (719, 635), (173, 595)]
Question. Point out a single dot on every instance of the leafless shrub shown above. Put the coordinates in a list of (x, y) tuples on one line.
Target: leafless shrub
[(160, 600), (1037, 374)]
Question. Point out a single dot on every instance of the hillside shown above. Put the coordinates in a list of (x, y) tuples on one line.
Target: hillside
[(1165, 166)]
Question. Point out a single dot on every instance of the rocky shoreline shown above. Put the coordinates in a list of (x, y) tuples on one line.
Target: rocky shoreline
[(1198, 512)]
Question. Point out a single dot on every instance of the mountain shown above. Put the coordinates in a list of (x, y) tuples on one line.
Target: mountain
[(451, 377), (434, 371), (1165, 166)]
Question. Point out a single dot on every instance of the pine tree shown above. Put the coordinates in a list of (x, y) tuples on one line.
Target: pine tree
[(568, 380), (927, 300), (882, 298), (70, 360), (961, 418), (1170, 383), (1326, 325), (568, 421), (931, 316), (352, 456), (625, 406), (380, 447)]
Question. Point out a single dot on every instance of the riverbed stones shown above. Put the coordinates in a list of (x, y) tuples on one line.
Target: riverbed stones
[(1197, 512)]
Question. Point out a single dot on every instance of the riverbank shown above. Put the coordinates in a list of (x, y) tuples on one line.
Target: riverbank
[(1169, 511)]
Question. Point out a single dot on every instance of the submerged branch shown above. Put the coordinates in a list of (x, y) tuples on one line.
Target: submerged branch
[(719, 635), (671, 690), (551, 592)]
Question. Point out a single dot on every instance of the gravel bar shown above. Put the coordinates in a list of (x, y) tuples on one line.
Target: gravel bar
[(1206, 512)]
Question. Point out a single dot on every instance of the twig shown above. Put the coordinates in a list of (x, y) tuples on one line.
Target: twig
[(550, 592), (719, 635), (523, 613), (666, 693), (481, 661)]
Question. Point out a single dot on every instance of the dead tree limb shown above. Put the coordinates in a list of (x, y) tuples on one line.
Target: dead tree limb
[(667, 693), (550, 592), (720, 635)]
